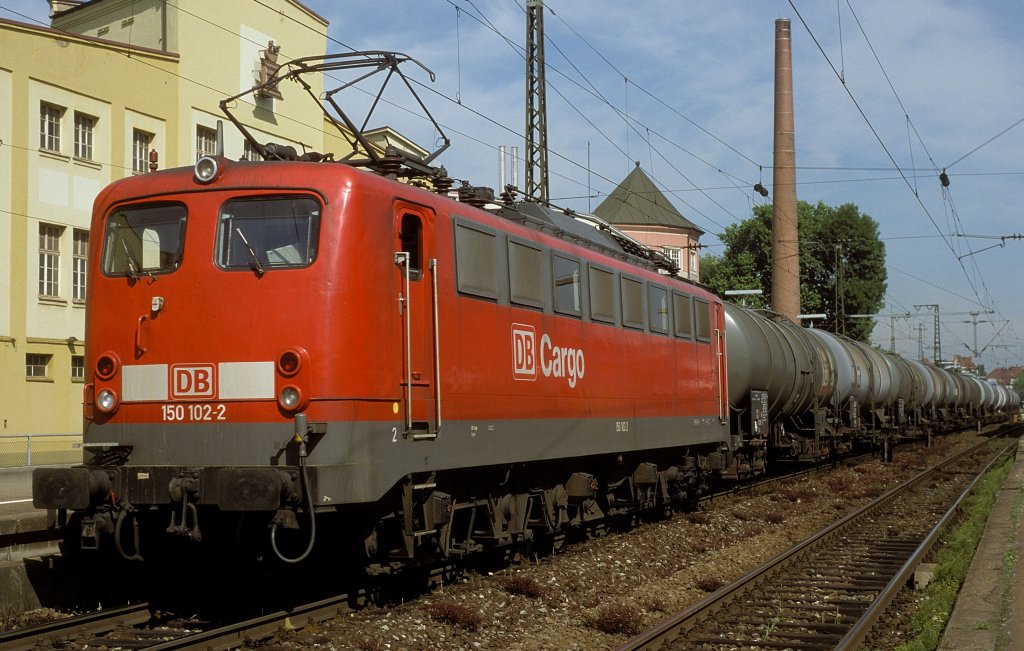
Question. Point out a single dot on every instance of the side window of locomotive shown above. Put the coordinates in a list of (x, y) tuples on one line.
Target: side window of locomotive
[(567, 285), (682, 307), (632, 303), (411, 237), (657, 301), (525, 274), (602, 295), (268, 233), (702, 312), (144, 240), (476, 261)]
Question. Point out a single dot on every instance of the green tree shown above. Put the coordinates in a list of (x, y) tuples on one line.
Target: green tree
[(1018, 384), (842, 264)]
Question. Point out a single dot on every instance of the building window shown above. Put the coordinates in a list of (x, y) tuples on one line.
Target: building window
[(140, 151), (692, 268), (49, 126), (673, 254), (49, 260), (78, 261), (249, 152), (84, 127), (37, 366), (206, 142), (78, 368)]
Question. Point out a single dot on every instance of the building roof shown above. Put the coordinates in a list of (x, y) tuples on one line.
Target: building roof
[(637, 201)]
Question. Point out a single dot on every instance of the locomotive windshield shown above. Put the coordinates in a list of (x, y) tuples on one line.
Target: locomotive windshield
[(144, 240), (262, 233)]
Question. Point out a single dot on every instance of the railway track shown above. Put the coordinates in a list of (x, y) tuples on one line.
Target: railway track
[(828, 591), (133, 627), (90, 625)]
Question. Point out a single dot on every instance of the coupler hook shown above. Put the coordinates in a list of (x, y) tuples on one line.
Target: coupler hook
[(184, 529)]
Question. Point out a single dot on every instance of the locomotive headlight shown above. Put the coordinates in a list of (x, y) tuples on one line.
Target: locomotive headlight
[(106, 401), (290, 397), (206, 169)]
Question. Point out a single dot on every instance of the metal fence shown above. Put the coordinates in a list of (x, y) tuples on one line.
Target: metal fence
[(39, 449)]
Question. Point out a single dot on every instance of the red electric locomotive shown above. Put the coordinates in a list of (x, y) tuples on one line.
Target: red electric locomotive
[(294, 344)]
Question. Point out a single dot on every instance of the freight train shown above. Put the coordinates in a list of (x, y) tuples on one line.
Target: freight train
[(287, 349)]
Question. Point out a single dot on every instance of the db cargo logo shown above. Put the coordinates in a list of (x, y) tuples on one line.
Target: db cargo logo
[(549, 359), (192, 381), (524, 352)]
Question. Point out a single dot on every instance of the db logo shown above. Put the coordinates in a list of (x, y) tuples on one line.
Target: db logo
[(524, 352), (192, 381)]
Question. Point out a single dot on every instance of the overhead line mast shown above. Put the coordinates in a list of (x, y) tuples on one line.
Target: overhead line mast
[(536, 105)]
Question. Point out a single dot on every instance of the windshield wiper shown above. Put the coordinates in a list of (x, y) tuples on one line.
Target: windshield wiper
[(254, 262), (133, 265)]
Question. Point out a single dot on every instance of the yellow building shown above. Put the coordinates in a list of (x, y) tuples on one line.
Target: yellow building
[(86, 102)]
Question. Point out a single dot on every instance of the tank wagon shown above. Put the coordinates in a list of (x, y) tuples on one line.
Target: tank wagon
[(284, 349), (810, 393)]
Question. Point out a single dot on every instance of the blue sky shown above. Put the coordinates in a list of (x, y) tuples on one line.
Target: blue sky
[(887, 94)]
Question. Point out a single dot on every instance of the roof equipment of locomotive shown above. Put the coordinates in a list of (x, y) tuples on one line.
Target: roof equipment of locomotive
[(364, 153)]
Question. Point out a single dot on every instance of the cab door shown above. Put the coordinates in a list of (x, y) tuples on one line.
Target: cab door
[(416, 275)]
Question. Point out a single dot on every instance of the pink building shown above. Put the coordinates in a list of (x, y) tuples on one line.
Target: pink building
[(639, 209)]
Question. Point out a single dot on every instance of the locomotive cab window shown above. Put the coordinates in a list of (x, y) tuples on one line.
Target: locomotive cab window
[(144, 240), (264, 233)]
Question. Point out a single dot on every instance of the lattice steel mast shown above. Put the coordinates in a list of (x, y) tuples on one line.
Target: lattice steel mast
[(536, 105)]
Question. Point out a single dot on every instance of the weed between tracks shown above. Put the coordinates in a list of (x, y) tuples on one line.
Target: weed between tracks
[(617, 619), (450, 612), (954, 560)]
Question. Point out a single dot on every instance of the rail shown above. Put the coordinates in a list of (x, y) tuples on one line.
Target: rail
[(133, 627), (687, 628), (95, 623)]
